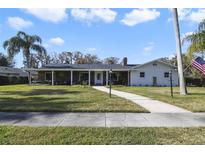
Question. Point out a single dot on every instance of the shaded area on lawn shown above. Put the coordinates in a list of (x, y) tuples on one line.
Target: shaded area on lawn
[(80, 135), (39, 104), (40, 92), (62, 99), (194, 101)]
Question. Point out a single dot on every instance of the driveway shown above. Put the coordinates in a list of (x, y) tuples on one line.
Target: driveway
[(154, 106)]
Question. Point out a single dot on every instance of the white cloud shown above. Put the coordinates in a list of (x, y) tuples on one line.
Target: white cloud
[(148, 49), (197, 16), (186, 34), (137, 16), (91, 49), (94, 15), (171, 56), (183, 13), (190, 15), (19, 23), (57, 41), (54, 15)]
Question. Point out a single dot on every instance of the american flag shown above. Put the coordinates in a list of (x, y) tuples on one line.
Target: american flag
[(199, 64)]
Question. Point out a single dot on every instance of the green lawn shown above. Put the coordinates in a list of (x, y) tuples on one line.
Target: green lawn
[(61, 98), (194, 101), (80, 135)]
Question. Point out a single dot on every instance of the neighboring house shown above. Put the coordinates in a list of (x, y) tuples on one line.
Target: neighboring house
[(10, 75), (12, 72), (153, 73)]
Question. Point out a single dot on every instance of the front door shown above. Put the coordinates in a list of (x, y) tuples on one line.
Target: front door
[(154, 81), (98, 78)]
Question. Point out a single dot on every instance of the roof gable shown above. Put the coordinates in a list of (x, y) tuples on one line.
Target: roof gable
[(156, 60)]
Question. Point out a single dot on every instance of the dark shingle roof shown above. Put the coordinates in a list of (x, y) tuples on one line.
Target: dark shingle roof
[(100, 66), (87, 66), (5, 71)]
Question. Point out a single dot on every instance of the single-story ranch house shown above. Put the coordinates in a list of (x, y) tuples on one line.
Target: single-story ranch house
[(153, 73)]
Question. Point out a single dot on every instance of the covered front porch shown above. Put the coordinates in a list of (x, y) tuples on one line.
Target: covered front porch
[(83, 77)]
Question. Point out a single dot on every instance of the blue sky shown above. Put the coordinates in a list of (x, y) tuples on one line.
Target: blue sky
[(139, 34)]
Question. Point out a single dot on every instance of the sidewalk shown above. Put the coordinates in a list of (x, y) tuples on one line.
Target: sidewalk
[(154, 106), (103, 119)]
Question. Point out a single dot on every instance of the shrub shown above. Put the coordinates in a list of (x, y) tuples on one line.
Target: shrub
[(4, 80)]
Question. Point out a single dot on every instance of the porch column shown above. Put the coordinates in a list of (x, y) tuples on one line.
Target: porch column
[(71, 77), (128, 76), (89, 77), (29, 77), (52, 77), (106, 78)]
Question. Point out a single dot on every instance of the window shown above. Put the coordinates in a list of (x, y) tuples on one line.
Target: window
[(83, 76), (154, 64), (142, 74), (166, 74), (115, 76), (48, 76), (98, 76)]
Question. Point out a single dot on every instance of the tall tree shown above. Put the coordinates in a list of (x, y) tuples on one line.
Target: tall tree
[(91, 59), (34, 60), (5, 61), (46, 59), (65, 57), (196, 47), (196, 41), (183, 90), (78, 57), (111, 60), (188, 71), (25, 43)]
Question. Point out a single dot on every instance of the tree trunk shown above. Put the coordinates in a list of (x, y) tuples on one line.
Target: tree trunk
[(183, 90), (28, 66)]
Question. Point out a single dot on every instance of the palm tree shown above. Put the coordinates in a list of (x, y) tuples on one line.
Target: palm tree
[(25, 43), (183, 90), (197, 41), (196, 47)]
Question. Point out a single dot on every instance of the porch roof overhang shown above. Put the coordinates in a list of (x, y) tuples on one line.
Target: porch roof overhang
[(68, 69)]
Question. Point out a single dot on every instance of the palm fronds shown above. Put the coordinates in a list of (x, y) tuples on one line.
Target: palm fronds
[(25, 43)]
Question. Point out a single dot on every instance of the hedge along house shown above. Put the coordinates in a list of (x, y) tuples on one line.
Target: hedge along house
[(153, 73)]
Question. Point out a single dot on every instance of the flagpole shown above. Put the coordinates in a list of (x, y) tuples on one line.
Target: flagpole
[(182, 85)]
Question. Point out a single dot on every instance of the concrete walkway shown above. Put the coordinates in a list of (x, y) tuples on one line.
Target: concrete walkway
[(154, 106), (103, 119)]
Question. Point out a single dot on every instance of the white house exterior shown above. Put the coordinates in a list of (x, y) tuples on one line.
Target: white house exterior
[(154, 73)]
